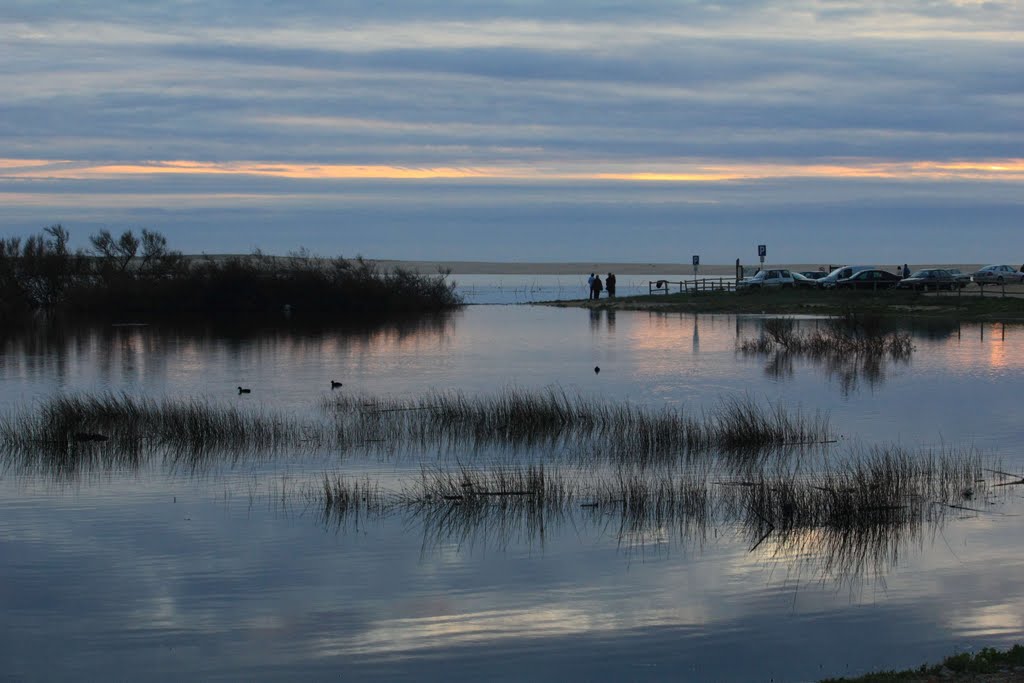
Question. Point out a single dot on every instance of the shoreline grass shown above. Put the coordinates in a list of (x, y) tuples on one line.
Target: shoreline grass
[(984, 665), (888, 304)]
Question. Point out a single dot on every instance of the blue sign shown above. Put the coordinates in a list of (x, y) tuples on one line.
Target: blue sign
[(762, 250), (696, 260)]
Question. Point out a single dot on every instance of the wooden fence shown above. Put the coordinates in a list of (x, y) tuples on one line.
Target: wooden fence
[(706, 284)]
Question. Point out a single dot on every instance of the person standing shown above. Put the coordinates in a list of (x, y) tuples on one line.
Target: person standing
[(609, 284), (906, 270), (597, 287), (590, 286)]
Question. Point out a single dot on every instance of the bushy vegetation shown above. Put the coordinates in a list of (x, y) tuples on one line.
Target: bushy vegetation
[(133, 274)]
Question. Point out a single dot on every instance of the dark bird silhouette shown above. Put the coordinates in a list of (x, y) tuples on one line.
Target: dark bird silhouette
[(335, 385), (244, 391), (597, 369), (89, 436)]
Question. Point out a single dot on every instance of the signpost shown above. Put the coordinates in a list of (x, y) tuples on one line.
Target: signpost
[(696, 264), (762, 251)]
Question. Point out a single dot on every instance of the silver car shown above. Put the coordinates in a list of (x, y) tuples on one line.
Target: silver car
[(767, 278), (997, 275)]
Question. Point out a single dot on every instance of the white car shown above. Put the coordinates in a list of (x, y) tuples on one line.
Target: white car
[(767, 278), (997, 274)]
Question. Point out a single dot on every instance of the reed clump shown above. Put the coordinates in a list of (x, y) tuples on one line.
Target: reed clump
[(193, 432), (588, 427), (344, 500), (858, 504), (882, 486), (120, 423)]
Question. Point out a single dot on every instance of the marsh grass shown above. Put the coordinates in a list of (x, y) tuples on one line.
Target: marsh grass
[(881, 486), (77, 430), (79, 427), (342, 501), (851, 515), (588, 428)]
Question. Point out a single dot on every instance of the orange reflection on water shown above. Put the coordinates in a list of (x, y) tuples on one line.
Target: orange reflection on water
[(682, 332)]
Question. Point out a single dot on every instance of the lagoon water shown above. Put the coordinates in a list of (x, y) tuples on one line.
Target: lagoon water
[(225, 569)]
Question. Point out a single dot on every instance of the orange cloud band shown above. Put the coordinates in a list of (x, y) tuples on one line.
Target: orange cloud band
[(1011, 169)]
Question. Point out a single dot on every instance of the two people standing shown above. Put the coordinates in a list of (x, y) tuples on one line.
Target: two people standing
[(594, 281)]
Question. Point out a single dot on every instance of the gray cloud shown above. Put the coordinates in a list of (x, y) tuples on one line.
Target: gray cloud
[(467, 84)]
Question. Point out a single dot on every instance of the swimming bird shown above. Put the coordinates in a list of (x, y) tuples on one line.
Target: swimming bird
[(596, 369), (244, 391), (335, 385)]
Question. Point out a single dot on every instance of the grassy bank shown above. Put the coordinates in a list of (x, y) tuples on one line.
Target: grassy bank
[(143, 277), (988, 664), (966, 307)]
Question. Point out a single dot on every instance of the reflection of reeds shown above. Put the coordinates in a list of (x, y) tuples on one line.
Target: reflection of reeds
[(857, 505), (850, 347), (621, 432), (847, 335)]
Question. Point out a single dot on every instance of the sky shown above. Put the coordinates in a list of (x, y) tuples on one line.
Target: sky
[(832, 131)]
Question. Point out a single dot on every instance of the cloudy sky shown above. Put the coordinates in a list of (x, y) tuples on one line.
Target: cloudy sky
[(870, 131)]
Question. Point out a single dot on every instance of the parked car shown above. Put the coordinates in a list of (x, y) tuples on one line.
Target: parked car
[(802, 281), (841, 273), (962, 279), (869, 279), (929, 278), (767, 278), (997, 275), (813, 274)]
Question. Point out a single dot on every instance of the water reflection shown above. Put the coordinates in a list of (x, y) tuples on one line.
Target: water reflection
[(161, 558), (56, 355), (845, 556), (849, 349)]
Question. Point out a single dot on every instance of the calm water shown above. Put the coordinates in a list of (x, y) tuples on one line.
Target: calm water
[(226, 571)]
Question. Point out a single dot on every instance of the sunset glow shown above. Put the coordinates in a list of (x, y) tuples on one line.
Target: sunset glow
[(1002, 170)]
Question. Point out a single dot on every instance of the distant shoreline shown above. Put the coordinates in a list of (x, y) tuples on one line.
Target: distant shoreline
[(602, 267)]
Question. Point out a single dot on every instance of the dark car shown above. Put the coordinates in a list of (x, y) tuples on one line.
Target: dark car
[(802, 281), (961, 278), (929, 278), (869, 279)]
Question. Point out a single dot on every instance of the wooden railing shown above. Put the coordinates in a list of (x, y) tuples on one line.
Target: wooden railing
[(706, 284)]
